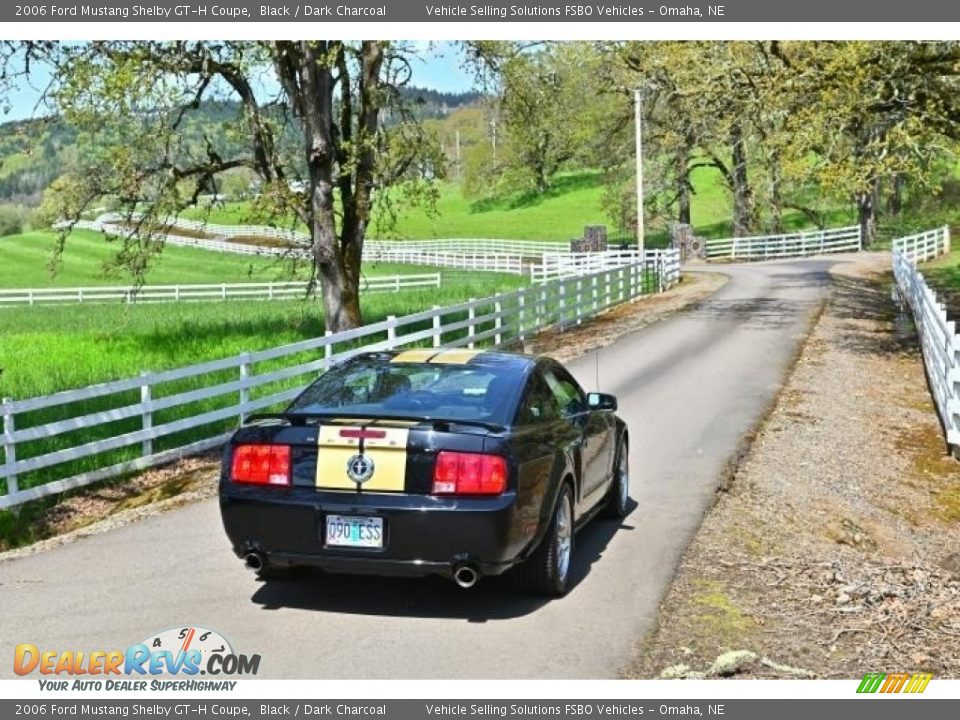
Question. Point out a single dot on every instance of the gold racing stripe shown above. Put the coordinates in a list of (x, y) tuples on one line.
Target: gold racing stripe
[(456, 356), (418, 355), (389, 455)]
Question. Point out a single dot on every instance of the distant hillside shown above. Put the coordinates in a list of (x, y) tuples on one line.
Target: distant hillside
[(35, 152), (32, 154)]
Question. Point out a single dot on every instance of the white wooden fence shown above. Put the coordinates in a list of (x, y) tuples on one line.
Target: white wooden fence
[(113, 222), (473, 246), (939, 341), (500, 262), (203, 292), (923, 246), (45, 438), (816, 242), (559, 265)]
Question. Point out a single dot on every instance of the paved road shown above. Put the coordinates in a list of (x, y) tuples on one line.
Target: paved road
[(689, 387)]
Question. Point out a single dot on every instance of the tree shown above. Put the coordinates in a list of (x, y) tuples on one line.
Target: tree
[(309, 114), (873, 115), (548, 101)]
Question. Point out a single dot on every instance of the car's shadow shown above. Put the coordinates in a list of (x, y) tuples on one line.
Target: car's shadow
[(493, 598)]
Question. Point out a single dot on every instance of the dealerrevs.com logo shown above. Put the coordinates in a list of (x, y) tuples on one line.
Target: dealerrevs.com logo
[(185, 651)]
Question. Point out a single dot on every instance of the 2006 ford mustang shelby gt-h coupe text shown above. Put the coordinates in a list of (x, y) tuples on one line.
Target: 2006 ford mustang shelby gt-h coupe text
[(455, 462)]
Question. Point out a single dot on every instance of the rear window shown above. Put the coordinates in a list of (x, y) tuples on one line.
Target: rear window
[(432, 391)]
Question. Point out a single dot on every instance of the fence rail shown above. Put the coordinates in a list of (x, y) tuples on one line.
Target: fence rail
[(204, 292), (159, 416), (817, 242), (559, 265), (939, 341), (923, 246), (502, 262), (114, 222)]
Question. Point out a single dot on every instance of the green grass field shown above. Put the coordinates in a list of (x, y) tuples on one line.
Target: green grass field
[(575, 200), (51, 348), (25, 259)]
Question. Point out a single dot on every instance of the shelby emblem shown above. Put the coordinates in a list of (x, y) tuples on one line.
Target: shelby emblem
[(360, 468)]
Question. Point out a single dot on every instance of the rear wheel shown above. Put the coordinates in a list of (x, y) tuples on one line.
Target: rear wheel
[(619, 494), (547, 570)]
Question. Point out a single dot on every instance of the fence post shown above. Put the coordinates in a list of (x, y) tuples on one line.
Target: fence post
[(946, 239), (270, 291), (541, 306), (561, 302), (579, 307), (497, 322), (146, 448), (437, 328), (471, 327), (244, 390), (396, 283), (223, 291), (327, 350), (521, 315), (391, 331), (9, 446), (176, 293), (30, 296)]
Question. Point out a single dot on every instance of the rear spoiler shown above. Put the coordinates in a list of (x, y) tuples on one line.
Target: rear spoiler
[(318, 418)]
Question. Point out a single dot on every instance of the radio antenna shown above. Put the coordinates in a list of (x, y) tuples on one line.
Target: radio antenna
[(596, 365)]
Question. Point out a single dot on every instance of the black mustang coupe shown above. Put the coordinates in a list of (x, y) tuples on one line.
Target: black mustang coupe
[(456, 462)]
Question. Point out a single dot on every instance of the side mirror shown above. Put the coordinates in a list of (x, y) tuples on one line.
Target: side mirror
[(602, 401)]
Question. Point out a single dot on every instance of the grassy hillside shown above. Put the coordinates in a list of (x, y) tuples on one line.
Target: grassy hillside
[(24, 261), (560, 214)]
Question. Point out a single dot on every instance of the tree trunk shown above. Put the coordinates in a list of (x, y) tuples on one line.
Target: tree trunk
[(742, 194), (683, 187), (867, 217), (895, 201), (776, 195), (339, 291)]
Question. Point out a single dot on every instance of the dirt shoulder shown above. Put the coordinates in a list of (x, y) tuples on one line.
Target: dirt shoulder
[(835, 549), (112, 504)]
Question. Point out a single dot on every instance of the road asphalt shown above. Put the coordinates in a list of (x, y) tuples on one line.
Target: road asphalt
[(690, 387)]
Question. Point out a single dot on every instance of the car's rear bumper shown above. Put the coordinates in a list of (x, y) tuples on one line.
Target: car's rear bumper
[(423, 535)]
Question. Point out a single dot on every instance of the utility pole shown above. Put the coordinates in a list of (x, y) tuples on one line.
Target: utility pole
[(638, 131)]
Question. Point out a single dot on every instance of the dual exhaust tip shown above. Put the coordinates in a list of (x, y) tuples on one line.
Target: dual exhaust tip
[(254, 560), (464, 574)]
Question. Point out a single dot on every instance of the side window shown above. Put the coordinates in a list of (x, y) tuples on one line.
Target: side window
[(565, 389), (539, 404)]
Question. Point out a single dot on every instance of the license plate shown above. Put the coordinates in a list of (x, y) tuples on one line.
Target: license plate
[(354, 531)]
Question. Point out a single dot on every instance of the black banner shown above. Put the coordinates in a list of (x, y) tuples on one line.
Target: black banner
[(419, 11)]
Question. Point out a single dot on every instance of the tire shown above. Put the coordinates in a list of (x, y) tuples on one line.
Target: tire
[(547, 571), (618, 497)]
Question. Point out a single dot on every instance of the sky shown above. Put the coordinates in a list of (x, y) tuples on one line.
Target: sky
[(436, 66)]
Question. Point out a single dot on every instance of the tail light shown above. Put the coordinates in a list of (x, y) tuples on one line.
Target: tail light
[(261, 465), (456, 473)]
